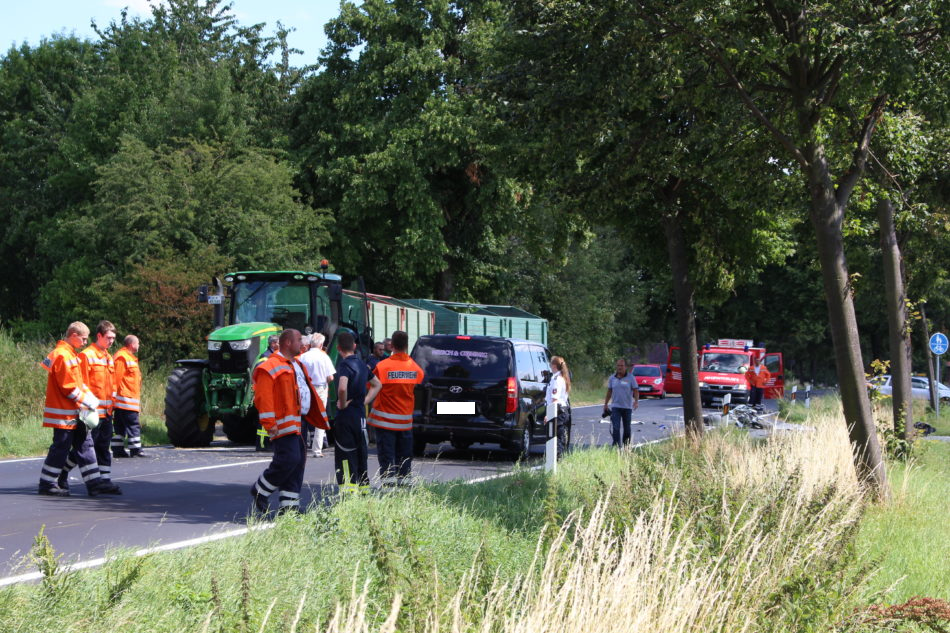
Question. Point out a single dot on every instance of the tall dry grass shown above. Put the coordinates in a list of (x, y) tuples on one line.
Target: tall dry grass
[(799, 505)]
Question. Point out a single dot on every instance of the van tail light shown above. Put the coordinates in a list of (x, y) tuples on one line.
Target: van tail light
[(511, 403)]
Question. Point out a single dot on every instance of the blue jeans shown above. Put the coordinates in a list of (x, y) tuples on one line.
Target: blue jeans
[(620, 417)]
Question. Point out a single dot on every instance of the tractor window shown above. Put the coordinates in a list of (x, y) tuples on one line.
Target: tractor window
[(282, 302)]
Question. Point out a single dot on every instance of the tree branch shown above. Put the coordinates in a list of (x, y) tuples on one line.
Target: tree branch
[(782, 138), (850, 178)]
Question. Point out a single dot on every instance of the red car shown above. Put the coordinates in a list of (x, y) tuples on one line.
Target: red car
[(650, 380)]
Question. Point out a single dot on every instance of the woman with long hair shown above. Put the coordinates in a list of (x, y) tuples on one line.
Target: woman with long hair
[(559, 386)]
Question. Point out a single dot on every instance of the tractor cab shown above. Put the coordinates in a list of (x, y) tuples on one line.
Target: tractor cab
[(255, 301), (252, 307)]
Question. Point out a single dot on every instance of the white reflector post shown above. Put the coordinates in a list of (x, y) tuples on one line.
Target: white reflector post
[(550, 447)]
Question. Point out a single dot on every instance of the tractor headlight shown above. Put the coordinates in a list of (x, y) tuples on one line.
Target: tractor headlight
[(214, 346), (240, 346)]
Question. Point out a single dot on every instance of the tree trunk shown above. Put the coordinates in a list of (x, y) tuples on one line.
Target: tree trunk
[(444, 285), (827, 217), (899, 333), (685, 322), (930, 358)]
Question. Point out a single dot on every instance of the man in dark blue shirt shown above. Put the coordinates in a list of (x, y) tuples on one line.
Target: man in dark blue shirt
[(351, 446)]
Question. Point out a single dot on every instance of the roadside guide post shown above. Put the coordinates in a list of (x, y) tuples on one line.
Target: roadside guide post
[(550, 447), (938, 345), (807, 395), (726, 401), (794, 393)]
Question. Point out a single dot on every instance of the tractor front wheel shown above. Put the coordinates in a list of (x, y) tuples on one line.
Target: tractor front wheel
[(241, 430), (185, 418)]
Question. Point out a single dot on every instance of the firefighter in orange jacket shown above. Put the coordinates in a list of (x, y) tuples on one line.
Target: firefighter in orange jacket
[(758, 376), (128, 394), (277, 398), (99, 374), (66, 394), (392, 409)]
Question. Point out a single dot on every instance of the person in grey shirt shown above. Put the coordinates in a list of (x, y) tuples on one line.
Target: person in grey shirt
[(622, 398)]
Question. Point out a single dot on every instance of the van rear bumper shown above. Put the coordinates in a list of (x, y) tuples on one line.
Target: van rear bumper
[(435, 429)]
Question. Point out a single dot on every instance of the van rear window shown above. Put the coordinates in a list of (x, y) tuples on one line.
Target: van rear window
[(457, 358)]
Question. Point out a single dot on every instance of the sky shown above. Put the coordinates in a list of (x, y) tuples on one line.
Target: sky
[(31, 21)]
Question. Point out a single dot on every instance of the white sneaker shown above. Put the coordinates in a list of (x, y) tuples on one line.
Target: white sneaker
[(318, 453)]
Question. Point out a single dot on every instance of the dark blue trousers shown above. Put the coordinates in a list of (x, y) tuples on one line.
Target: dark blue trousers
[(350, 450), (101, 441), (394, 451), (285, 472), (127, 426), (620, 425), (77, 442)]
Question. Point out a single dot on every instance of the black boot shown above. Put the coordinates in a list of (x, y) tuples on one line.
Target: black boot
[(104, 487), (52, 490), (119, 453), (137, 452)]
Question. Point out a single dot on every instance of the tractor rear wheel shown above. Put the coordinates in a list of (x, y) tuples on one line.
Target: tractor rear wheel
[(187, 423)]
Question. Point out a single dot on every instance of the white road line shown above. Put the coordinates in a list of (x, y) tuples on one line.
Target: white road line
[(23, 459), (672, 408), (191, 470), (96, 562)]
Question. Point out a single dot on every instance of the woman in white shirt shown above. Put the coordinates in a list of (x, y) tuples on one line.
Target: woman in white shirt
[(559, 386)]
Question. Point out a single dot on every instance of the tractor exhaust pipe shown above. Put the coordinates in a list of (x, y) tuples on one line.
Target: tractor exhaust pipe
[(218, 307)]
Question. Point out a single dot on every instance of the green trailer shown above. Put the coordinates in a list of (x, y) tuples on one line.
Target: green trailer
[(388, 314), (451, 317)]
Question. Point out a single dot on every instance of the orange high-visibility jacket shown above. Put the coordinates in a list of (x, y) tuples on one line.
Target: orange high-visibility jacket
[(99, 376), (278, 401), (64, 387), (396, 400), (758, 380), (128, 381)]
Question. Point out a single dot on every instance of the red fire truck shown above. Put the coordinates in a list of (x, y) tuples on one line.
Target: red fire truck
[(722, 370)]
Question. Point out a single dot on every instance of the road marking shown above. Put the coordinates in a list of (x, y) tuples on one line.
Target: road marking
[(672, 408), (23, 459), (191, 470), (96, 562)]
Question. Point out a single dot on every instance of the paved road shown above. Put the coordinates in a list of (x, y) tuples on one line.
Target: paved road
[(180, 494)]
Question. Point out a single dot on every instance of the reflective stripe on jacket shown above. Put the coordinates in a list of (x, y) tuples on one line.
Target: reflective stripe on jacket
[(64, 387), (276, 397), (128, 381), (396, 400), (99, 375)]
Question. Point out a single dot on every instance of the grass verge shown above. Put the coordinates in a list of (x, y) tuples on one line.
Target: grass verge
[(907, 537), (23, 390), (724, 536)]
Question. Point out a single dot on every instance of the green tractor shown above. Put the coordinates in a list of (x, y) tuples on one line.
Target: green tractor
[(258, 304)]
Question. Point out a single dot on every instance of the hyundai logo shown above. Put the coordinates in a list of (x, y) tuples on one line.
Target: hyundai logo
[(455, 389)]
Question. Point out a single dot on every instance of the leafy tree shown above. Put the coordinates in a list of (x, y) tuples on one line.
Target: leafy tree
[(607, 119), (817, 77), (178, 202), (38, 90), (395, 139)]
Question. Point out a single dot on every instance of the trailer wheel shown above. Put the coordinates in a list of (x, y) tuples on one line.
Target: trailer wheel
[(187, 423)]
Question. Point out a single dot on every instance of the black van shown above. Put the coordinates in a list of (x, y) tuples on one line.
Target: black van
[(480, 389)]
